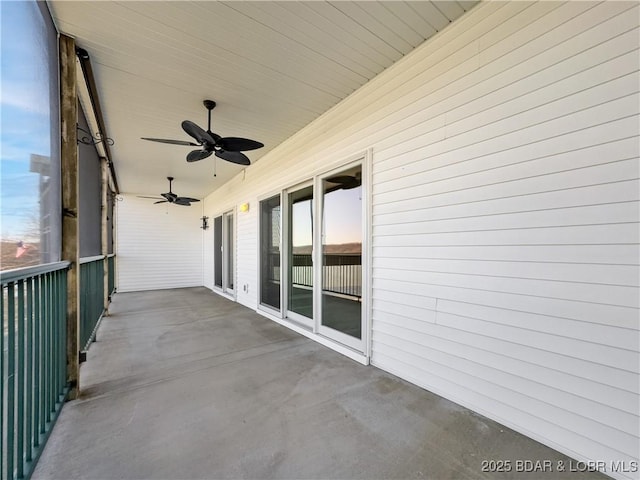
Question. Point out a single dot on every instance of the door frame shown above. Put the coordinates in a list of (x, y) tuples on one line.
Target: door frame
[(361, 344), (223, 289), (217, 248), (286, 252), (362, 354), (226, 238), (261, 306)]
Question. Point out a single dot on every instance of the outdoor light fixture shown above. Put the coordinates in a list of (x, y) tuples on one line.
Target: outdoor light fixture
[(244, 207), (205, 223)]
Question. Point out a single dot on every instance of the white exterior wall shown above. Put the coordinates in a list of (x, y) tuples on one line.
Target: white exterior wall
[(158, 246), (505, 217)]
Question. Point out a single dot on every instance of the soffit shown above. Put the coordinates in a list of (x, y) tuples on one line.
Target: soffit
[(272, 68)]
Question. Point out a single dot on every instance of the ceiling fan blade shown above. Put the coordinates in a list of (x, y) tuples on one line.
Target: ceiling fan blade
[(155, 198), (169, 197), (182, 201), (171, 142), (196, 155), (160, 201), (236, 144), (234, 157), (187, 199), (215, 136), (198, 133)]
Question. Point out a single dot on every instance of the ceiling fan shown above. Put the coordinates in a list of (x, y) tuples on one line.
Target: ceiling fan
[(171, 197), (226, 148)]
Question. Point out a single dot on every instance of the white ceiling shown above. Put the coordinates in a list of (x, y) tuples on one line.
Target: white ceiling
[(272, 67)]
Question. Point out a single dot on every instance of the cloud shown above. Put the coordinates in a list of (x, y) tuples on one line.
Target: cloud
[(24, 61), (29, 96)]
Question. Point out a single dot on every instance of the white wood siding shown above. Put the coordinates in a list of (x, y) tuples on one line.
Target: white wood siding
[(505, 217), (247, 243), (159, 246)]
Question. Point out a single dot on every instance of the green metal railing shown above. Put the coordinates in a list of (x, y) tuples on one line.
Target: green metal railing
[(33, 362), (91, 298), (111, 262)]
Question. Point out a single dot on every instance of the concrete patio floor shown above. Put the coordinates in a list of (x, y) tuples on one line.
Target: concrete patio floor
[(186, 384)]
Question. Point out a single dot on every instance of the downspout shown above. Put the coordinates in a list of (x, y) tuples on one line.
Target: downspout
[(108, 174), (87, 73)]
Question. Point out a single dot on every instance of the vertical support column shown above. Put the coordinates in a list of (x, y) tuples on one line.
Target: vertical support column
[(70, 239), (104, 166)]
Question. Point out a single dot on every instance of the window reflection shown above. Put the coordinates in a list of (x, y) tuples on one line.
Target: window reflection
[(270, 252), (29, 139), (230, 248), (342, 252), (300, 240)]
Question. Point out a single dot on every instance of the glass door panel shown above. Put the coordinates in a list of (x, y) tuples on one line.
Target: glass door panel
[(341, 293), (270, 252), (229, 252), (300, 265), (217, 251)]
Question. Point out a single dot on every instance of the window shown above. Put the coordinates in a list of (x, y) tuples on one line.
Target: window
[(29, 137)]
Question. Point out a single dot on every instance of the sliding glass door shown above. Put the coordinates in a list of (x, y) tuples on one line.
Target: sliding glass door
[(228, 277), (340, 291), (224, 252), (270, 252), (312, 273), (299, 255), (217, 251)]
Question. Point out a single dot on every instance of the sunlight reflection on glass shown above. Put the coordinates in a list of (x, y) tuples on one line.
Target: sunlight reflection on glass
[(29, 163), (342, 252)]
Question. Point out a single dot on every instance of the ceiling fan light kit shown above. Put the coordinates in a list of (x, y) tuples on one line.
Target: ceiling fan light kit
[(226, 148)]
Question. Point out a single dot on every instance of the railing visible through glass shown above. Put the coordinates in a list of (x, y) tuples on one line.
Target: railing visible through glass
[(342, 273), (33, 362)]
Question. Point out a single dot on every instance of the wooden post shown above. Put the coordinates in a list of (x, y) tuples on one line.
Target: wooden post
[(69, 184), (104, 166)]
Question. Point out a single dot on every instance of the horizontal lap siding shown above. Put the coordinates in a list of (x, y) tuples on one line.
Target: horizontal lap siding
[(159, 246), (246, 274), (505, 190), (505, 227)]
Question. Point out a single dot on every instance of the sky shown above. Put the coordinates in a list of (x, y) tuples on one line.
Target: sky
[(24, 115), (342, 218)]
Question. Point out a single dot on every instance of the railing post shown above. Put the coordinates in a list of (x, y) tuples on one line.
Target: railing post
[(11, 376), (2, 401), (70, 242), (21, 381)]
